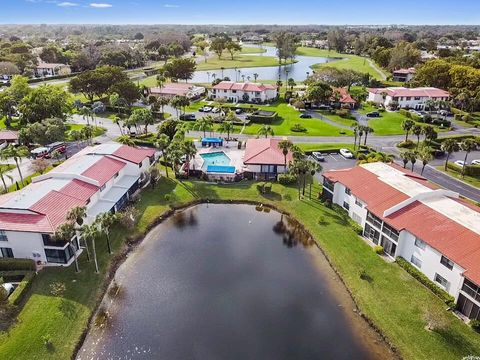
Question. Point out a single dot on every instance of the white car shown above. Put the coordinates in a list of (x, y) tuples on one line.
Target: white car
[(8, 288), (460, 163), (346, 153), (207, 108), (476, 162), (215, 110)]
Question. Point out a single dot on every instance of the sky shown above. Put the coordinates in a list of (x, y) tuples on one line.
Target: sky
[(331, 12)]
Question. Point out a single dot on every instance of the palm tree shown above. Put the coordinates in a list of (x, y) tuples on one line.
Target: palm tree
[(117, 120), (66, 232), (87, 132), (90, 232), (413, 158), (204, 124), (467, 145), (426, 156), (405, 156), (86, 113), (355, 134), (314, 168), (76, 216), (190, 150), (285, 146), (266, 130), (367, 130), (4, 169), (227, 127), (360, 134), (407, 125), (417, 130), (126, 140), (430, 133), (255, 76), (162, 144), (162, 102), (105, 221), (16, 153), (449, 146)]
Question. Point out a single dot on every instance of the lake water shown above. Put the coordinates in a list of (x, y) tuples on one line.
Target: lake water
[(230, 282), (297, 71)]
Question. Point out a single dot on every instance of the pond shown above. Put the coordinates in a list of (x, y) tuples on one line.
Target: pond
[(297, 71), (229, 282)]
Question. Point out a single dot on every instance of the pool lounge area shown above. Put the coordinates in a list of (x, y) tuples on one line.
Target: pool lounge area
[(216, 164)]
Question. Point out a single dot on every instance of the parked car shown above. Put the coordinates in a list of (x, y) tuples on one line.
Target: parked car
[(324, 107), (59, 146), (206, 109), (373, 114), (187, 117), (238, 111), (305, 116), (346, 153), (215, 110), (460, 163), (9, 288), (318, 156), (476, 162)]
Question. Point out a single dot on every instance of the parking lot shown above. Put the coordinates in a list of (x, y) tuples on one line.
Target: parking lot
[(333, 161)]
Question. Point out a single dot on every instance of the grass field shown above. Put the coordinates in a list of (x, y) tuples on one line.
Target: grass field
[(347, 61), (390, 123), (392, 299), (338, 119), (239, 61), (97, 130), (471, 180), (324, 146)]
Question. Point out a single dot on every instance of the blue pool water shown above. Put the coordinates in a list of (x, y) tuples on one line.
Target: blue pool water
[(215, 159)]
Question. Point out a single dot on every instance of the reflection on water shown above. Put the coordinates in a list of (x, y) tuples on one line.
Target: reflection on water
[(229, 282)]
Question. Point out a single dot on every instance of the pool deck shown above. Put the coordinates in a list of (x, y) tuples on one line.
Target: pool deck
[(230, 149)]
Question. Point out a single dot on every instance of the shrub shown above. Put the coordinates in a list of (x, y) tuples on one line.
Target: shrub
[(357, 228), (458, 117), (287, 179), (467, 118), (442, 294), (22, 289), (404, 112), (409, 144), (298, 128), (17, 264), (427, 118), (343, 113), (475, 324), (378, 249)]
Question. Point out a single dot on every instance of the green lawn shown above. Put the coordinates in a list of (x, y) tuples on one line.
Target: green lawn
[(390, 123), (474, 181), (252, 50), (338, 119), (346, 61), (324, 146), (392, 299), (97, 130), (239, 61)]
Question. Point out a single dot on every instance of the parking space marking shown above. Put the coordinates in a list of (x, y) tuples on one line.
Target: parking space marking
[(333, 157)]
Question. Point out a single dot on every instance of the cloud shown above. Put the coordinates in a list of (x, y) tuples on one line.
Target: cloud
[(67, 4), (100, 5), (170, 6)]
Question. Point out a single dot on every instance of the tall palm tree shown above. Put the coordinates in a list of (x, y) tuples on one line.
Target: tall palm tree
[(314, 167), (405, 156), (285, 146), (126, 140), (162, 144), (367, 130), (417, 130), (255, 76), (117, 120), (16, 153), (86, 113), (90, 232), (227, 127), (407, 125), (449, 146), (266, 130), (4, 169), (360, 134), (190, 150), (105, 221), (413, 158), (467, 145), (204, 124), (425, 155), (355, 134), (66, 232), (430, 133), (76, 216)]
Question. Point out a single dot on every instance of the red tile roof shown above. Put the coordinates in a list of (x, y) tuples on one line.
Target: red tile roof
[(455, 241), (25, 222), (404, 71), (8, 135), (104, 169), (419, 92), (172, 89), (55, 207), (345, 97), (79, 189), (264, 152), (247, 86), (132, 154)]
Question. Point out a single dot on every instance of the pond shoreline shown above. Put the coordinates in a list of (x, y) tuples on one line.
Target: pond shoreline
[(133, 242)]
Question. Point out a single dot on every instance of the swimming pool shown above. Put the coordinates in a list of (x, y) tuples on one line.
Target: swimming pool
[(218, 158)]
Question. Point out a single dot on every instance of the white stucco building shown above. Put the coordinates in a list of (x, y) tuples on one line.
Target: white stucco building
[(244, 92), (101, 178), (433, 228), (413, 98), (264, 159)]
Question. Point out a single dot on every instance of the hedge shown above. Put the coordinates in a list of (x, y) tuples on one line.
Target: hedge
[(442, 294), (17, 264), (287, 179), (471, 170), (22, 289), (262, 119)]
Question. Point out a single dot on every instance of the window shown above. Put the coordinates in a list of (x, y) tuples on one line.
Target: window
[(3, 236), (348, 191), (268, 169), (6, 252), (442, 281), (346, 206), (372, 233), (357, 218), (390, 232), (234, 91), (417, 262), (446, 262), (358, 203), (471, 289), (409, 98), (328, 184), (374, 220), (420, 244), (417, 98)]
